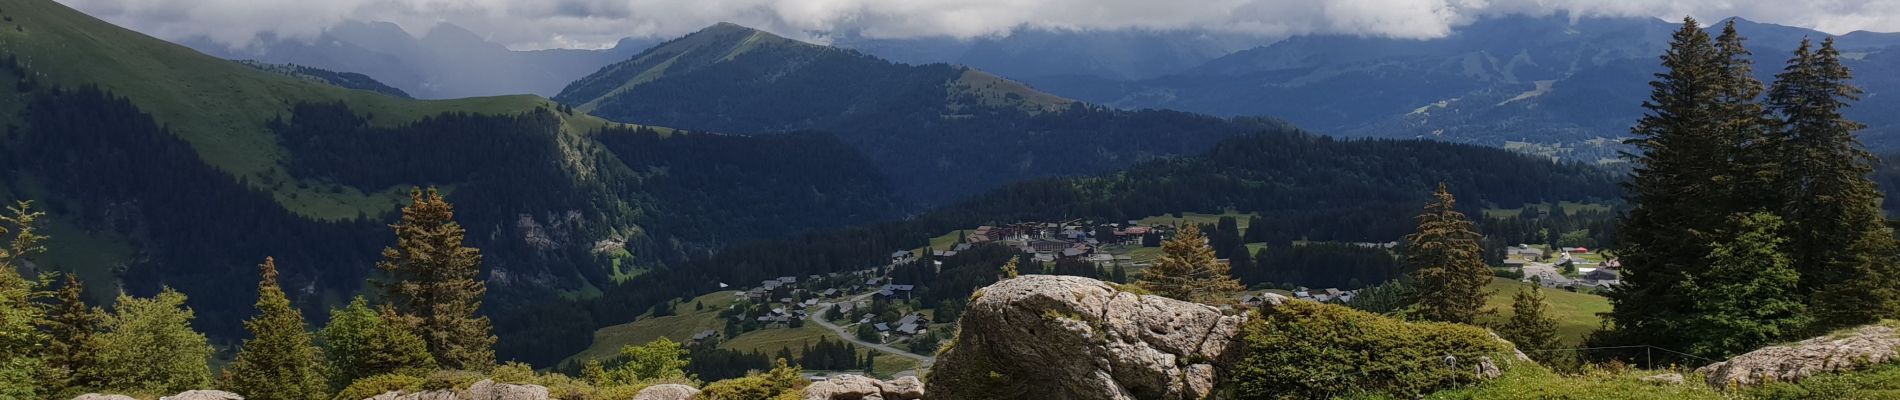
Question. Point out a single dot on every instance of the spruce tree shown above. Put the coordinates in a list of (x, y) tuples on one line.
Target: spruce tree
[(1743, 129), (1188, 270), (1839, 239), (278, 362), (360, 342), (1678, 173), (1531, 327), (1446, 263), (21, 364), (1747, 299), (70, 325), (433, 283)]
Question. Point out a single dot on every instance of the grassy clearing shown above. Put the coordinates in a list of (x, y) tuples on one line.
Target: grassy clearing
[(679, 327), (1576, 312), (1568, 207), (1195, 218), (769, 341)]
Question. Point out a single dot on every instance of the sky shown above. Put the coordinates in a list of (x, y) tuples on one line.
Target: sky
[(538, 24)]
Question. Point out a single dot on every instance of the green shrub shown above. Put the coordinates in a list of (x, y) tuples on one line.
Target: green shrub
[(1877, 383), (782, 382), (450, 380), (514, 372), (378, 384), (1304, 350)]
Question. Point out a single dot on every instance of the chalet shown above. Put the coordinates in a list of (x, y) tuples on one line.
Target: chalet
[(944, 253), (705, 334), (895, 291), (1074, 252), (1514, 264), (1526, 251), (1044, 258), (788, 280), (829, 293), (1048, 246), (901, 256), (960, 247), (1601, 274), (882, 327), (909, 329)]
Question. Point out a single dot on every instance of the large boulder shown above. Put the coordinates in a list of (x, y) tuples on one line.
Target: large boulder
[(858, 387), (1854, 348), (668, 391), (1062, 337), (203, 395), (97, 396), (489, 390)]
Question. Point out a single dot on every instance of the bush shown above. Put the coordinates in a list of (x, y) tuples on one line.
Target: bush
[(441, 380), (378, 384), (1304, 350), (781, 383)]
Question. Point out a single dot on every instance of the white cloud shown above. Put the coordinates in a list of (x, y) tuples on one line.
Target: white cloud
[(526, 24)]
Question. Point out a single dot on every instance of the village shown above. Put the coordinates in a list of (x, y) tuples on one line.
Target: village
[(1569, 268)]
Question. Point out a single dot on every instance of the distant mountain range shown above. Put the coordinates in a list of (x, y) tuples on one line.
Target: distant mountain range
[(943, 132), (446, 62), (1550, 85), (1030, 54)]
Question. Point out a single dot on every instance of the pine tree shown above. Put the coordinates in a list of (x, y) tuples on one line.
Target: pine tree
[(278, 362), (1531, 327), (148, 346), (1839, 239), (1188, 270), (360, 342), (1446, 263), (433, 283), (1009, 268), (1743, 129), (1677, 172), (70, 325), (21, 363), (1748, 298)]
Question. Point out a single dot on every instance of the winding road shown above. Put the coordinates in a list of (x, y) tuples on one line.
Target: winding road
[(923, 362)]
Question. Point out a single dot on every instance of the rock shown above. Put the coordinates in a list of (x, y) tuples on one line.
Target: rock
[(487, 389), (858, 387), (203, 395), (1859, 347), (1488, 369), (1664, 379), (96, 396), (1064, 337), (904, 388), (668, 391)]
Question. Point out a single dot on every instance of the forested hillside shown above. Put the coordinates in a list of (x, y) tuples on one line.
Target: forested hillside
[(166, 168), (947, 131)]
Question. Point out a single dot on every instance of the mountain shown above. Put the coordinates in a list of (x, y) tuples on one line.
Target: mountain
[(946, 131), (347, 80), (446, 62), (1032, 55), (1553, 85), (161, 167)]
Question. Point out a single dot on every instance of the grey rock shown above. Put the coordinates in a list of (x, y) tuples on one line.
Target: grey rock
[(904, 388), (1063, 337), (97, 396), (1846, 350), (669, 391), (203, 395), (487, 389), (1664, 379)]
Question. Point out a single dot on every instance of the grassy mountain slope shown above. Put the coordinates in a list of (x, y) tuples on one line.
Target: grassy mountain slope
[(220, 107), (944, 131)]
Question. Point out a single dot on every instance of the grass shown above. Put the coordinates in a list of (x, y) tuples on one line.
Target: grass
[(1195, 218), (887, 364), (769, 341), (1540, 383), (1568, 207), (679, 327), (1576, 312), (946, 241)]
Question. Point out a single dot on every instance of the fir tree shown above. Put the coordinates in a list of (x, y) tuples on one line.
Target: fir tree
[(1446, 263), (21, 363), (1747, 299), (1009, 268), (433, 283), (1677, 171), (1188, 270), (278, 362), (70, 325), (1839, 239), (1531, 327), (360, 342)]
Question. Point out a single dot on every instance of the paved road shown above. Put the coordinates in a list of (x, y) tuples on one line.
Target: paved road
[(1547, 273), (923, 362)]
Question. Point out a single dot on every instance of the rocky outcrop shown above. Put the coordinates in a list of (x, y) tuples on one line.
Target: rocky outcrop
[(1061, 337), (857, 387), (97, 396), (669, 391), (489, 390), (203, 395), (1855, 348)]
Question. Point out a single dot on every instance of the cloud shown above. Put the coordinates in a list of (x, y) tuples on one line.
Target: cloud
[(529, 24)]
